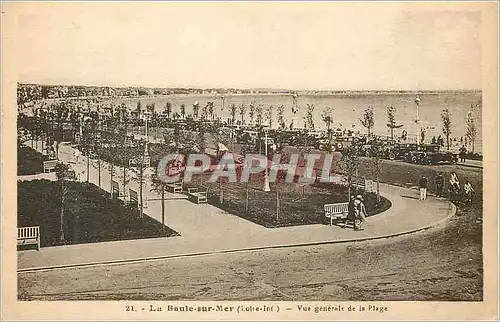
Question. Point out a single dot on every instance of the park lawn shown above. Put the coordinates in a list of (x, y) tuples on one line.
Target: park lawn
[(89, 215), (298, 204), (29, 161)]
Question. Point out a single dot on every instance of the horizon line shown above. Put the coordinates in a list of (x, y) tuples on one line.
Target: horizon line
[(257, 88)]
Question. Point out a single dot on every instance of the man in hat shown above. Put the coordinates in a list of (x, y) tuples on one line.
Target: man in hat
[(439, 181)]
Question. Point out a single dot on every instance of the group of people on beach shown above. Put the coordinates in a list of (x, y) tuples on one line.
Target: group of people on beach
[(454, 190)]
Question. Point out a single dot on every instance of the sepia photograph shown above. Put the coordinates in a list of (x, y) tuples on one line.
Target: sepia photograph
[(268, 160)]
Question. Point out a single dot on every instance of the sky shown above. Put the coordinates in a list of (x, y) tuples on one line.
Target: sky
[(248, 45)]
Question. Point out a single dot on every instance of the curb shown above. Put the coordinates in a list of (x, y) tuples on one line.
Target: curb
[(237, 250)]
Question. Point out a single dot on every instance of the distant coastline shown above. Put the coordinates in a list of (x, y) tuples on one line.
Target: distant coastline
[(43, 92)]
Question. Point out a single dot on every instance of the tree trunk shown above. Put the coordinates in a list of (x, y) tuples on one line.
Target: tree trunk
[(111, 170), (392, 134), (124, 181), (140, 190), (163, 208), (61, 239), (378, 188), (221, 192), (277, 204), (99, 169), (88, 166), (246, 197)]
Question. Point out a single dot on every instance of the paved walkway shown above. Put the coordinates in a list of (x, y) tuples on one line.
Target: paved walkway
[(205, 228)]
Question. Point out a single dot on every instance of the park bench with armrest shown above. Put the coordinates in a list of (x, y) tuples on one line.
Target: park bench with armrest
[(29, 236), (198, 194), (175, 187), (49, 166), (360, 183), (337, 211), (369, 186)]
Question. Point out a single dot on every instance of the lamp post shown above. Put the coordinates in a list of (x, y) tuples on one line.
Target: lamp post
[(146, 153), (417, 120), (266, 175), (295, 109), (222, 109)]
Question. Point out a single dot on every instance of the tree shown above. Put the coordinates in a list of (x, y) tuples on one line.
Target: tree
[(446, 118), (367, 120), (471, 131), (251, 112), (196, 110), (139, 170), (158, 185), (327, 118), (377, 154), (349, 163), (204, 112), (63, 173), (168, 109), (138, 108), (269, 116), (202, 143), (183, 111), (211, 110), (233, 113), (391, 120), (309, 121), (258, 113), (281, 119), (243, 109)]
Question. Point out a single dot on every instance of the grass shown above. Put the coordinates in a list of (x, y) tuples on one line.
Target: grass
[(29, 161), (406, 174), (89, 215), (298, 204)]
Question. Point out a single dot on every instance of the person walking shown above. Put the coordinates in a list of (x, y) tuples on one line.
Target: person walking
[(422, 183), (468, 191), (462, 153), (454, 187), (351, 210), (439, 181), (359, 212), (77, 155)]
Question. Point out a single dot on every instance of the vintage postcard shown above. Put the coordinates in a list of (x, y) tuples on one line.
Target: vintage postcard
[(249, 160)]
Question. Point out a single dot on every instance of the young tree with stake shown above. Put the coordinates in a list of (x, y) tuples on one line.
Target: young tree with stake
[(471, 130), (327, 118), (391, 120), (63, 173), (446, 118), (368, 120)]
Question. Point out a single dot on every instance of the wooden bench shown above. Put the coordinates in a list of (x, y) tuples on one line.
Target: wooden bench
[(29, 236), (369, 186), (175, 187), (198, 195), (337, 211), (359, 183), (49, 166)]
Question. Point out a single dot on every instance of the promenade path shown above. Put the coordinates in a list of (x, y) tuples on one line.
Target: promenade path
[(207, 229)]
